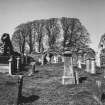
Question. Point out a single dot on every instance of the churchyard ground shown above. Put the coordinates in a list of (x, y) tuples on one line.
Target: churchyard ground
[(45, 88)]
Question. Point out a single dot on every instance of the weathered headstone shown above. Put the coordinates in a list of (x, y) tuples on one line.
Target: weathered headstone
[(42, 59), (18, 64), (32, 71), (11, 66), (88, 65), (74, 56), (55, 59), (80, 59), (8, 55), (76, 77), (59, 59), (68, 76), (98, 83), (62, 58), (79, 62), (93, 66), (48, 58)]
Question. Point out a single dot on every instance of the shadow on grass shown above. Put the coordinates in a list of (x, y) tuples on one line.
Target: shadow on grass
[(28, 99), (103, 97)]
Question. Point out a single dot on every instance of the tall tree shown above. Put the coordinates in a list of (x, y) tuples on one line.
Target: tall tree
[(19, 36), (76, 36), (52, 30), (38, 28), (17, 41), (28, 29), (47, 31)]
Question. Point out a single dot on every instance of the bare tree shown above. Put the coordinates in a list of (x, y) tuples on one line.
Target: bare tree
[(76, 36), (17, 41), (38, 27), (19, 37), (52, 30), (102, 41)]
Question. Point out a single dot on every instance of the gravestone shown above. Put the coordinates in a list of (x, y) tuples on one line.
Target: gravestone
[(68, 76), (84, 58), (55, 60), (26, 58), (32, 71), (98, 83), (62, 58), (59, 58), (90, 61), (74, 56), (48, 58), (11, 66), (7, 55), (79, 63), (18, 64), (76, 77), (88, 65), (93, 66), (79, 60), (42, 59)]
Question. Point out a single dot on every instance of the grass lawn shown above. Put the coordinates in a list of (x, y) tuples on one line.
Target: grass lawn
[(45, 88)]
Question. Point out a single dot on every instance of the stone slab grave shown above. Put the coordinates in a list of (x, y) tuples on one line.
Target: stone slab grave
[(91, 66), (68, 75), (9, 64), (79, 60)]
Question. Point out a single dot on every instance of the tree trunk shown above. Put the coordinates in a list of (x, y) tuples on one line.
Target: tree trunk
[(30, 43)]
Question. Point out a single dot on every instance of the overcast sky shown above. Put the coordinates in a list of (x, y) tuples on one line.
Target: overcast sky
[(90, 12)]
